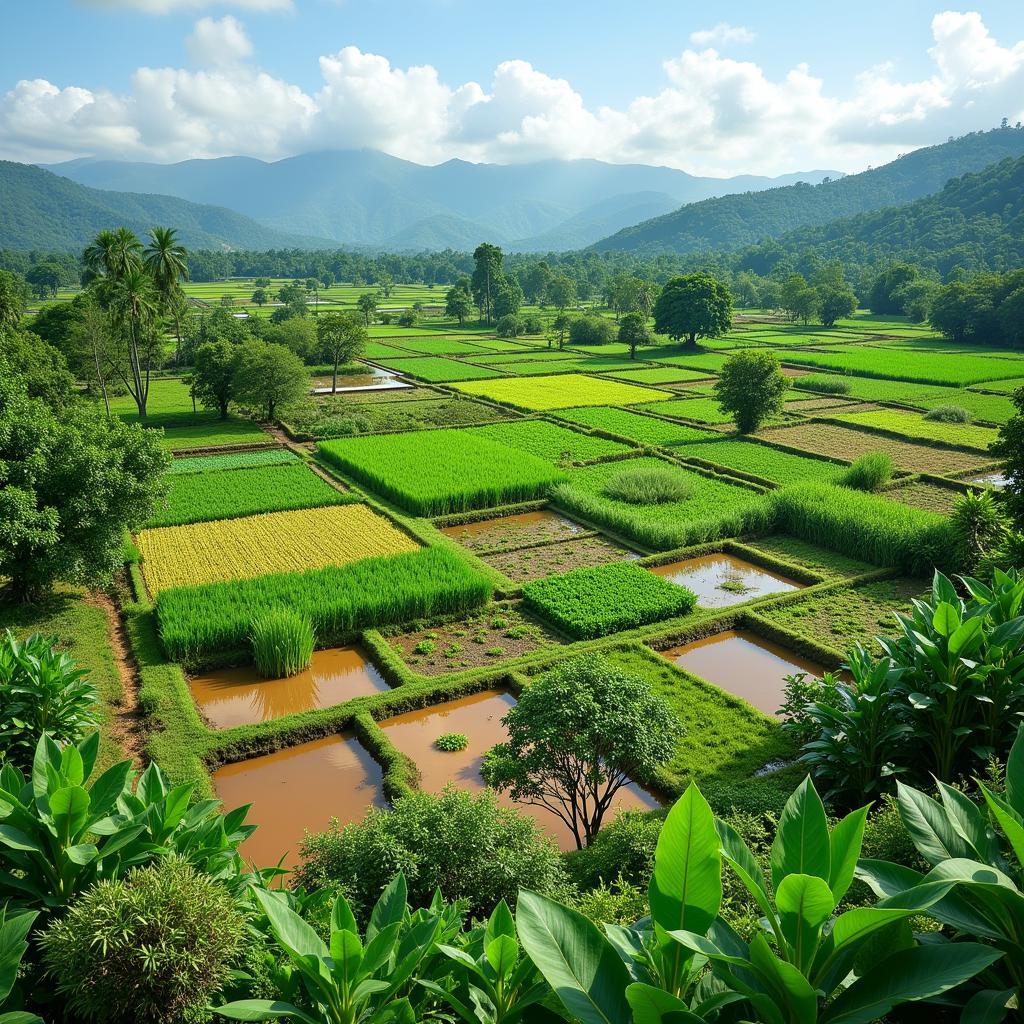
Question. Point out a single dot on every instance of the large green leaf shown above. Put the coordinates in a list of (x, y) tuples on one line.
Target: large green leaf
[(289, 929), (929, 826), (988, 1006), (801, 845), (652, 1005), (576, 960), (69, 806), (804, 903), (789, 988), (390, 908), (499, 923), (945, 619), (966, 637), (263, 1009), (919, 973), (844, 846)]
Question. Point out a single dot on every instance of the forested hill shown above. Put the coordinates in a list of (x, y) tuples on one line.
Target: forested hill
[(40, 210), (976, 223), (730, 222)]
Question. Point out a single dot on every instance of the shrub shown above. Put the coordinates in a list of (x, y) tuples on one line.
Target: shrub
[(980, 524), (282, 642), (510, 326), (751, 387), (949, 414), (452, 741), (602, 599), (870, 472), (463, 843), (647, 485), (591, 330), (152, 948), (41, 690), (532, 324), (407, 318), (623, 849)]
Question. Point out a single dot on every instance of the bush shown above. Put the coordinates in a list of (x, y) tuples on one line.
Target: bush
[(752, 388), (870, 472), (152, 948), (41, 690), (533, 324), (407, 319), (591, 330), (623, 850), (647, 486), (510, 326), (463, 843), (282, 642), (825, 385), (451, 742), (949, 414)]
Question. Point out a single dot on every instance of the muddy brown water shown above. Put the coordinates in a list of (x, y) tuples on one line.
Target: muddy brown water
[(300, 788), (239, 696), (706, 575), (479, 717), (744, 664), (505, 528), (374, 379)]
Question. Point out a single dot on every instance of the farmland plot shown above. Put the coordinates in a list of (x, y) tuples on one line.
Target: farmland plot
[(561, 391), (645, 429)]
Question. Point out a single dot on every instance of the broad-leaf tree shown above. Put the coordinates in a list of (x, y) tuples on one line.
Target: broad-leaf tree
[(633, 331), (213, 378), (269, 376), (342, 338), (693, 306), (752, 388)]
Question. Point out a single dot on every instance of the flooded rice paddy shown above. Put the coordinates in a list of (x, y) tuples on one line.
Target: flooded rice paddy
[(514, 531), (720, 580)]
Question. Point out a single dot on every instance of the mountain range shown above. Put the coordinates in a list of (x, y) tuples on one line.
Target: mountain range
[(367, 198)]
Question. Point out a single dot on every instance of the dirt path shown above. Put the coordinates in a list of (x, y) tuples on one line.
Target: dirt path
[(127, 724), (296, 446)]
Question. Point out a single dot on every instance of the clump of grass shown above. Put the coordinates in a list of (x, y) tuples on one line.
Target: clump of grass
[(282, 642), (424, 647), (949, 414), (452, 741), (870, 472), (824, 384), (647, 485)]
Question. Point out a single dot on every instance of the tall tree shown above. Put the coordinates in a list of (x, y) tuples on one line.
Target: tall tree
[(13, 294), (457, 304), (487, 279), (693, 306), (213, 379), (269, 376), (367, 304), (751, 387), (342, 338), (166, 262), (561, 292), (633, 332), (135, 306)]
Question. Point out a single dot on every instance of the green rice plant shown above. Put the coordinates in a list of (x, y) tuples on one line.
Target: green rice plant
[(866, 526), (197, 621), (235, 460), (715, 508), (647, 485), (434, 472), (211, 432), (452, 742), (871, 472), (949, 414), (825, 384), (440, 347), (598, 600), (636, 426), (914, 426), (550, 442), (231, 494), (438, 369), (761, 460), (282, 642), (658, 375), (560, 391)]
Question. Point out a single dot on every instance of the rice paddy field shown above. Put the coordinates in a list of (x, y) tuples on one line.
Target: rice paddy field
[(522, 504)]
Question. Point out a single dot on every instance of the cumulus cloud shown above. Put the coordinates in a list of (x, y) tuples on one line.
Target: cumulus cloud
[(722, 34), (714, 114), (171, 6)]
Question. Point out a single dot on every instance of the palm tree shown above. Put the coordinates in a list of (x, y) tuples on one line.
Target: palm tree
[(135, 305), (166, 262)]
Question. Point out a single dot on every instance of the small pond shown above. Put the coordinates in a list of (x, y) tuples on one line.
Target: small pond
[(300, 788), (374, 379), (514, 531), (720, 580), (239, 696), (479, 717), (744, 664), (998, 480)]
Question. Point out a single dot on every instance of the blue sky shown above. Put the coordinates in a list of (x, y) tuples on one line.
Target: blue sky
[(756, 87)]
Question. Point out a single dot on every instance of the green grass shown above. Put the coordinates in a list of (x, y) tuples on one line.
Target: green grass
[(1004, 386), (700, 410), (198, 621), (903, 364), (434, 472), (550, 442), (709, 361), (437, 369), (540, 367), (659, 375), (560, 391), (230, 494), (828, 564), (441, 347), (378, 350), (214, 433), (645, 429), (598, 600), (237, 460), (167, 396), (915, 426), (762, 461), (714, 509)]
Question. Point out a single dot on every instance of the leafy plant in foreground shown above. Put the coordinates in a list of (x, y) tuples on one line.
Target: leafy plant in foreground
[(14, 929), (282, 642)]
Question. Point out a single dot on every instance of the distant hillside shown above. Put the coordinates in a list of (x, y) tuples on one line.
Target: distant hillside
[(733, 221), (367, 198), (40, 210), (976, 222)]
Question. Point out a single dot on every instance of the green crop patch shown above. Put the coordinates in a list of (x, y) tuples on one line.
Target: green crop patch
[(903, 364), (711, 509), (230, 494), (440, 346), (602, 599), (635, 426), (540, 367), (436, 369), (550, 442), (213, 433), (233, 460), (921, 494), (561, 391), (378, 350), (659, 375), (1005, 387), (763, 461), (915, 426), (434, 472), (710, 361), (700, 410), (384, 590)]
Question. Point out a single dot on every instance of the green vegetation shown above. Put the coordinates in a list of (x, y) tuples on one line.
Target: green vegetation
[(439, 471), (551, 442), (870, 472), (238, 460), (949, 414), (198, 621), (701, 410), (647, 485), (452, 742), (438, 370), (635, 426), (762, 461), (232, 493), (598, 600), (282, 642), (561, 391), (752, 388), (908, 424)]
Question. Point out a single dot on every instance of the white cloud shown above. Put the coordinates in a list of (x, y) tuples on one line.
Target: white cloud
[(722, 34), (215, 42), (170, 6), (713, 115)]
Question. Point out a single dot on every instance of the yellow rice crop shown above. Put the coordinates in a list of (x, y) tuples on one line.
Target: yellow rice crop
[(231, 549)]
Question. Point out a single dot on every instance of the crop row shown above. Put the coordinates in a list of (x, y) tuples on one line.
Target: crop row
[(230, 493), (762, 461), (437, 368), (232, 549), (914, 425), (197, 621), (645, 429), (550, 442), (560, 391), (906, 364), (603, 599), (236, 460)]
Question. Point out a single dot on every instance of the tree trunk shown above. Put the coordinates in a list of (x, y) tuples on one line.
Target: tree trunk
[(334, 379), (102, 381)]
